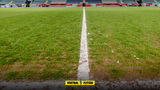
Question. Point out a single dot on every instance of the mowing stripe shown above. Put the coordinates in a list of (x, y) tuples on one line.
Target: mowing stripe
[(83, 68)]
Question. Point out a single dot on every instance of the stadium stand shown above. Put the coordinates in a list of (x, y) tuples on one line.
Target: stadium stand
[(57, 1), (110, 1), (38, 1), (130, 2), (5, 1), (148, 1), (158, 1), (19, 1), (74, 1), (78, 3), (93, 1)]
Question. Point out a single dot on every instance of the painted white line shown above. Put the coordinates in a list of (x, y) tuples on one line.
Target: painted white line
[(83, 68)]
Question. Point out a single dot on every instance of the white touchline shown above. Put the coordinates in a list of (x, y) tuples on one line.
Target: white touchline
[(83, 68)]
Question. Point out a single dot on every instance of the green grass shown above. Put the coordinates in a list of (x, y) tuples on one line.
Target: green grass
[(39, 43), (124, 42), (43, 43)]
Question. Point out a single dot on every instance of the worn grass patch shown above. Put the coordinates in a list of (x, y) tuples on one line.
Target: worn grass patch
[(39, 43), (124, 42)]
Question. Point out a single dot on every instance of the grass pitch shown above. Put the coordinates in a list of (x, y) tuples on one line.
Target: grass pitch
[(124, 42), (43, 43), (39, 43)]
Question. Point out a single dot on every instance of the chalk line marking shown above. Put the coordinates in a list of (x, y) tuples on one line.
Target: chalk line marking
[(83, 68)]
